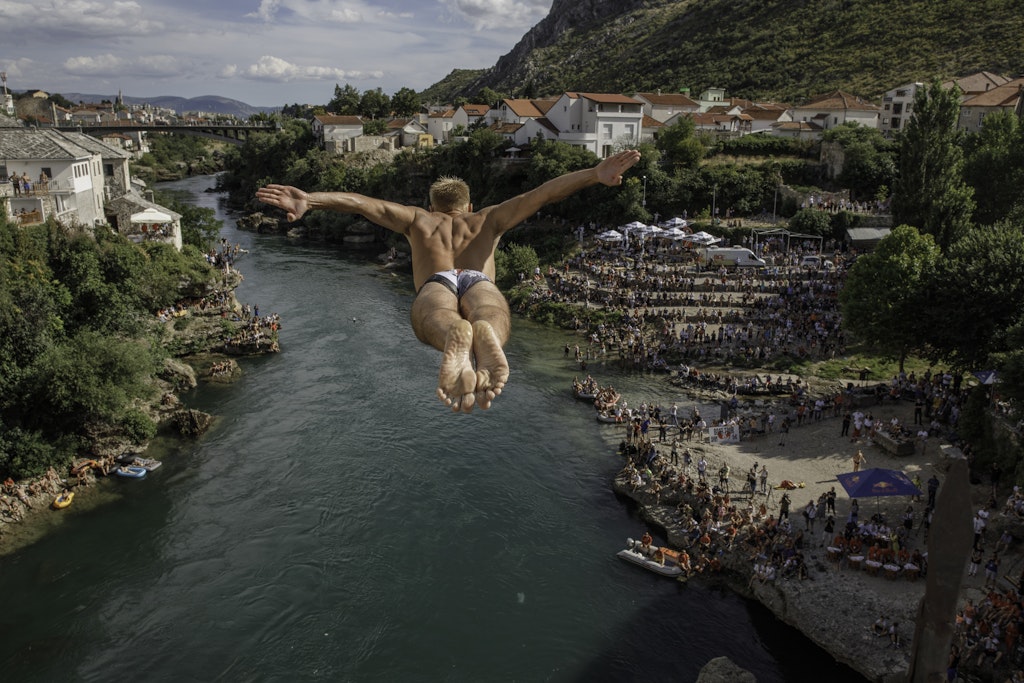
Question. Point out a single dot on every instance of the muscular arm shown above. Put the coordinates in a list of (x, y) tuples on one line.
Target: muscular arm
[(510, 213), (296, 203)]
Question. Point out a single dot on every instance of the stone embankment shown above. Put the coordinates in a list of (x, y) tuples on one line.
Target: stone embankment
[(836, 604)]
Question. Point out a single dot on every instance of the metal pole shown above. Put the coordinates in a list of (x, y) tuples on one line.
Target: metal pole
[(644, 201)]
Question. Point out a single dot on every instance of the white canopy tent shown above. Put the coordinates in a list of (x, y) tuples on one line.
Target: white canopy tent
[(610, 236), (702, 238), (674, 233), (151, 215)]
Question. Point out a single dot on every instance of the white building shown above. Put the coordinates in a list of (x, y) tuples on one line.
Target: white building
[(897, 106), (337, 134), (837, 108), (74, 178), (599, 122), (664, 106)]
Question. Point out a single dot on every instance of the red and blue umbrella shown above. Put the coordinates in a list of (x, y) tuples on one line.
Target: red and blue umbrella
[(877, 481)]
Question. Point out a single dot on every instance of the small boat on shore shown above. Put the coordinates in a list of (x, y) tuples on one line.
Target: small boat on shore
[(63, 500), (83, 466), (149, 464), (131, 471), (658, 560), (608, 419)]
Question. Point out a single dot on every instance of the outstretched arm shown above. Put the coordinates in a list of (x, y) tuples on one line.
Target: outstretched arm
[(296, 203), (512, 212)]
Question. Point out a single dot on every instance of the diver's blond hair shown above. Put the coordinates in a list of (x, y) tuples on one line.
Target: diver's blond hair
[(449, 194)]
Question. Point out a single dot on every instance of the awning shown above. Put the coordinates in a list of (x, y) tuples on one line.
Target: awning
[(151, 216)]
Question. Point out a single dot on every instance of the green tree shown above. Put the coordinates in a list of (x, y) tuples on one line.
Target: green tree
[(885, 293), (995, 166), (489, 97), (90, 379), (930, 193), (811, 222), (979, 293), (199, 225), (1009, 364), (374, 104), (679, 144), (515, 260), (346, 100), (869, 159), (406, 102)]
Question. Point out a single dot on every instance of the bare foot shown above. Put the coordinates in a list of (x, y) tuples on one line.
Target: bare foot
[(457, 380), (491, 364)]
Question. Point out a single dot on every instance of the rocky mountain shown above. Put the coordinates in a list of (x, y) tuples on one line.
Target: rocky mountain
[(785, 50)]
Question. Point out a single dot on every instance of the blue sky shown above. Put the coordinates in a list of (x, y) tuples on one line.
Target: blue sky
[(263, 52)]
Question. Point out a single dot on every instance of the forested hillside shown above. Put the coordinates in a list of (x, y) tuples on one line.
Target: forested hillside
[(786, 50)]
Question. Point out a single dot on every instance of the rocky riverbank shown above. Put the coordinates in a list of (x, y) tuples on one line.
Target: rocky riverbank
[(836, 604), (203, 339)]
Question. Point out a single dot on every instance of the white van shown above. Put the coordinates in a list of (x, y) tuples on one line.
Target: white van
[(813, 262), (730, 257)]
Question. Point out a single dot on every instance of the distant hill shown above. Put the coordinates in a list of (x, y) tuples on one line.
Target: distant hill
[(208, 103), (785, 50)]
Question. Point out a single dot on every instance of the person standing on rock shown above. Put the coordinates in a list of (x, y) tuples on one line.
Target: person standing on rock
[(784, 507), (858, 460), (810, 512), (763, 476)]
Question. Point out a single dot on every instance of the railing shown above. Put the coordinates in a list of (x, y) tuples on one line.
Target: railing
[(29, 218)]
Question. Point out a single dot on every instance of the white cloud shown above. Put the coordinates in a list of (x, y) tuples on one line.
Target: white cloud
[(108, 65), (77, 18), (312, 11), (275, 69), (486, 14)]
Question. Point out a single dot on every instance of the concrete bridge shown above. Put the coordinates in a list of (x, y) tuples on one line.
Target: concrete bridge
[(227, 132)]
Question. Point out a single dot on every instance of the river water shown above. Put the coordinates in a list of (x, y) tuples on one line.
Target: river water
[(339, 524)]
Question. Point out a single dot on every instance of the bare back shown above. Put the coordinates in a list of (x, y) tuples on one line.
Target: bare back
[(442, 241)]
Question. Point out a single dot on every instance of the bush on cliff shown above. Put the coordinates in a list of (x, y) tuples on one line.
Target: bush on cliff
[(78, 347)]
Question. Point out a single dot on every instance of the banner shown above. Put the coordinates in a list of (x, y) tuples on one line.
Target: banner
[(724, 434)]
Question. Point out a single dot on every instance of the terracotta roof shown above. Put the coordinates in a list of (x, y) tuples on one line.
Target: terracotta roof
[(527, 108), (476, 109), (336, 120), (671, 99), (797, 126), (758, 113), (503, 128), (1006, 95), (446, 114), (840, 100), (649, 122), (979, 82)]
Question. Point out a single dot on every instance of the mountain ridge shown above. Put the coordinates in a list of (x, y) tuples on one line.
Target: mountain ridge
[(214, 104), (785, 50)]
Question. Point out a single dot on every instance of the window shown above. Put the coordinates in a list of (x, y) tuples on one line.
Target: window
[(630, 131), (895, 122), (108, 170), (886, 106), (897, 108), (901, 93), (606, 131), (606, 151), (910, 107)]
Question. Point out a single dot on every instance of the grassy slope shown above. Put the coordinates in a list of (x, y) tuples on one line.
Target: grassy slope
[(787, 50)]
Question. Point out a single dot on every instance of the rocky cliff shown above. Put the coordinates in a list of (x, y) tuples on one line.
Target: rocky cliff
[(776, 49)]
